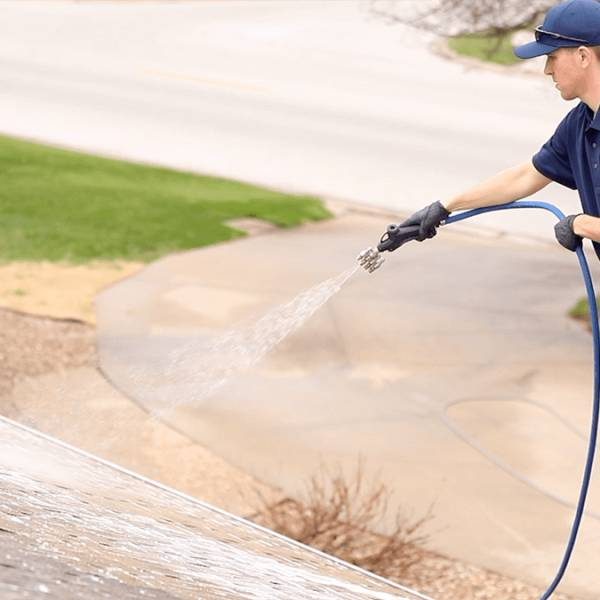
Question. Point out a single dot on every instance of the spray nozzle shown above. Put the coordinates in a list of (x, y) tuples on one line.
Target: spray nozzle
[(396, 236), (370, 259)]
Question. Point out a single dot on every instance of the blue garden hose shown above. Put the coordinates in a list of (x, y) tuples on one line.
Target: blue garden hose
[(587, 473)]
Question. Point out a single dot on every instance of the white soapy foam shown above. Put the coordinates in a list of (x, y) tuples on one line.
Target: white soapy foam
[(83, 529)]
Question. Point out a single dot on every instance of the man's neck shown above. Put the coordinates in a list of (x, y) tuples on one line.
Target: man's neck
[(591, 96), (592, 103)]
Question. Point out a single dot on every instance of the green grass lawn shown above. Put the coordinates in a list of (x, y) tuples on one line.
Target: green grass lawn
[(581, 311), (65, 206), (491, 48)]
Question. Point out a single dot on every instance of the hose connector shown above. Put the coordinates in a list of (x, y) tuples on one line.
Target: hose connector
[(396, 236)]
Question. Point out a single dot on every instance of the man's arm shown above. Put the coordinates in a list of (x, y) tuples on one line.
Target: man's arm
[(509, 185), (587, 226), (519, 182)]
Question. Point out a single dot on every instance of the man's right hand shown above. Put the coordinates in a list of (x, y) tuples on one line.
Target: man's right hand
[(427, 219)]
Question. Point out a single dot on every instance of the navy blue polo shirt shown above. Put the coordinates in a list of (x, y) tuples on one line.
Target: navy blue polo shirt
[(572, 157)]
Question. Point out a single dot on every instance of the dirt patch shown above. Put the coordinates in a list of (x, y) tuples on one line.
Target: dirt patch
[(252, 226), (59, 290)]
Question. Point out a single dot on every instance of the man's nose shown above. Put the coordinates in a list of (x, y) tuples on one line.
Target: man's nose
[(547, 69)]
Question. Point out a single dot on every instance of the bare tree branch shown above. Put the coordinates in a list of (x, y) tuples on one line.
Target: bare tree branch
[(462, 17)]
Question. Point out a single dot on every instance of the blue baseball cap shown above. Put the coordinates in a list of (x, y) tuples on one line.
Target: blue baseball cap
[(567, 25)]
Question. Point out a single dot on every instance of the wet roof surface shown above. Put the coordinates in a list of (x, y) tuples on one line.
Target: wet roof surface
[(72, 526)]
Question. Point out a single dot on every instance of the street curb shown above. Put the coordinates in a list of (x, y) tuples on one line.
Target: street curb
[(441, 48)]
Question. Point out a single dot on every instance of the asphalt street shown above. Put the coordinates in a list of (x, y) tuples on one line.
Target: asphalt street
[(311, 96)]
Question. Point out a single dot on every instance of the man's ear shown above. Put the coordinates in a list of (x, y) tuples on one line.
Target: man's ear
[(584, 54)]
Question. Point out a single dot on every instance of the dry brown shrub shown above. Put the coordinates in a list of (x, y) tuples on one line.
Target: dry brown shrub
[(340, 518)]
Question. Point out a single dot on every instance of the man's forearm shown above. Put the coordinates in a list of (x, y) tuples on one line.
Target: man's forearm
[(507, 186), (587, 226)]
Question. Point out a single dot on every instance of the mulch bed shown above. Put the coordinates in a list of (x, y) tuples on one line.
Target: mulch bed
[(31, 346)]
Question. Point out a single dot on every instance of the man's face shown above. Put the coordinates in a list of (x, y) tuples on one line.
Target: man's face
[(564, 66)]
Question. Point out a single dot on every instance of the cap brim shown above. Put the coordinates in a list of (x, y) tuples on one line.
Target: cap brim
[(533, 49)]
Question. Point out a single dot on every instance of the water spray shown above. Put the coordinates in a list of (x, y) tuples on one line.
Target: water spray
[(396, 235), (192, 371)]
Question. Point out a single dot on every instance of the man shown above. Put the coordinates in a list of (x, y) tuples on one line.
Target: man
[(570, 38)]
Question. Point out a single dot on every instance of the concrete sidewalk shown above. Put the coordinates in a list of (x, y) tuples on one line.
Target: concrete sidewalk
[(452, 372)]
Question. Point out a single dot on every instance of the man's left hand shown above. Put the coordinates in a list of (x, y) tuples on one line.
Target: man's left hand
[(565, 235)]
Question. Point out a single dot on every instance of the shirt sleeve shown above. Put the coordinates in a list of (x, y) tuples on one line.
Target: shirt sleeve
[(552, 160)]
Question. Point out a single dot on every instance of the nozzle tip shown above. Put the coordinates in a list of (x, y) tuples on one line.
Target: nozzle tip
[(370, 259)]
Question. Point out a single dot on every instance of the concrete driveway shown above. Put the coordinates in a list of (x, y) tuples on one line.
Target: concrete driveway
[(452, 372)]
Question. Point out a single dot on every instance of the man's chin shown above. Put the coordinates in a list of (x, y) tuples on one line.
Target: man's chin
[(566, 95)]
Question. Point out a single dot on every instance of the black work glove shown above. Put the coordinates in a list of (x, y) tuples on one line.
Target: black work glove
[(565, 235), (428, 219)]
